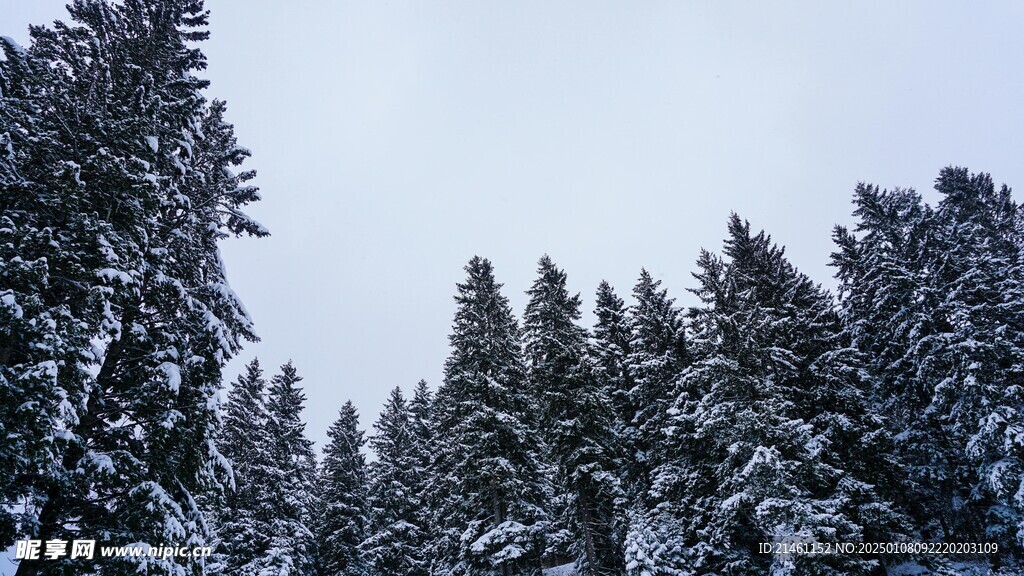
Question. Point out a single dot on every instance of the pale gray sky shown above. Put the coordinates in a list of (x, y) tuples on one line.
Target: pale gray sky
[(394, 140)]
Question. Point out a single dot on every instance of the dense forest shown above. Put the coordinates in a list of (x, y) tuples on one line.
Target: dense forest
[(661, 441)]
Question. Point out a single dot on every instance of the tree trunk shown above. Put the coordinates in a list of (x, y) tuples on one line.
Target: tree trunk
[(499, 517), (586, 522)]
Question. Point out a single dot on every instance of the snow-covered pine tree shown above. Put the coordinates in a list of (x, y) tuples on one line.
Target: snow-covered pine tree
[(881, 274), (935, 296), (48, 313), (655, 359), (657, 356), (610, 348), (124, 179), (342, 493), (421, 419), (882, 292), (578, 423), (781, 445), (242, 524), (487, 485), (977, 361), (560, 541), (289, 488), (395, 542), (421, 422)]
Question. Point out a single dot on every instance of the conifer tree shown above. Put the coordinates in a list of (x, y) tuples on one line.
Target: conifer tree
[(782, 446), (421, 423), (117, 157), (933, 295), (578, 422), (977, 360), (289, 488), (395, 542), (657, 356), (47, 312), (243, 524), (881, 269), (610, 349), (343, 522), (487, 484), (655, 359), (263, 527)]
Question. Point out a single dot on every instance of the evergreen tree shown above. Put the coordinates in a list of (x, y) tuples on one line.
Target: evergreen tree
[(121, 167), (289, 488), (263, 527), (578, 422), (881, 293), (421, 423), (656, 356), (934, 296), (343, 523), (781, 444), (243, 525), (977, 360), (395, 542), (610, 349), (47, 310), (487, 484)]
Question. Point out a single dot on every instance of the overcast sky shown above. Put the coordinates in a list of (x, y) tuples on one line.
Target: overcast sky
[(395, 140)]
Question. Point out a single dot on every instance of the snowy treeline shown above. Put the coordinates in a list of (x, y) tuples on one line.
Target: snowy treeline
[(666, 441), (659, 442)]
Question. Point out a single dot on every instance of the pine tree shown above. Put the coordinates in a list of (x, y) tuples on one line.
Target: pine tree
[(264, 525), (934, 296), (881, 294), (46, 305), (487, 484), (782, 446), (290, 486), (123, 164), (657, 356), (578, 422), (343, 523), (421, 423), (655, 359), (243, 525), (977, 360), (610, 349), (395, 542)]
